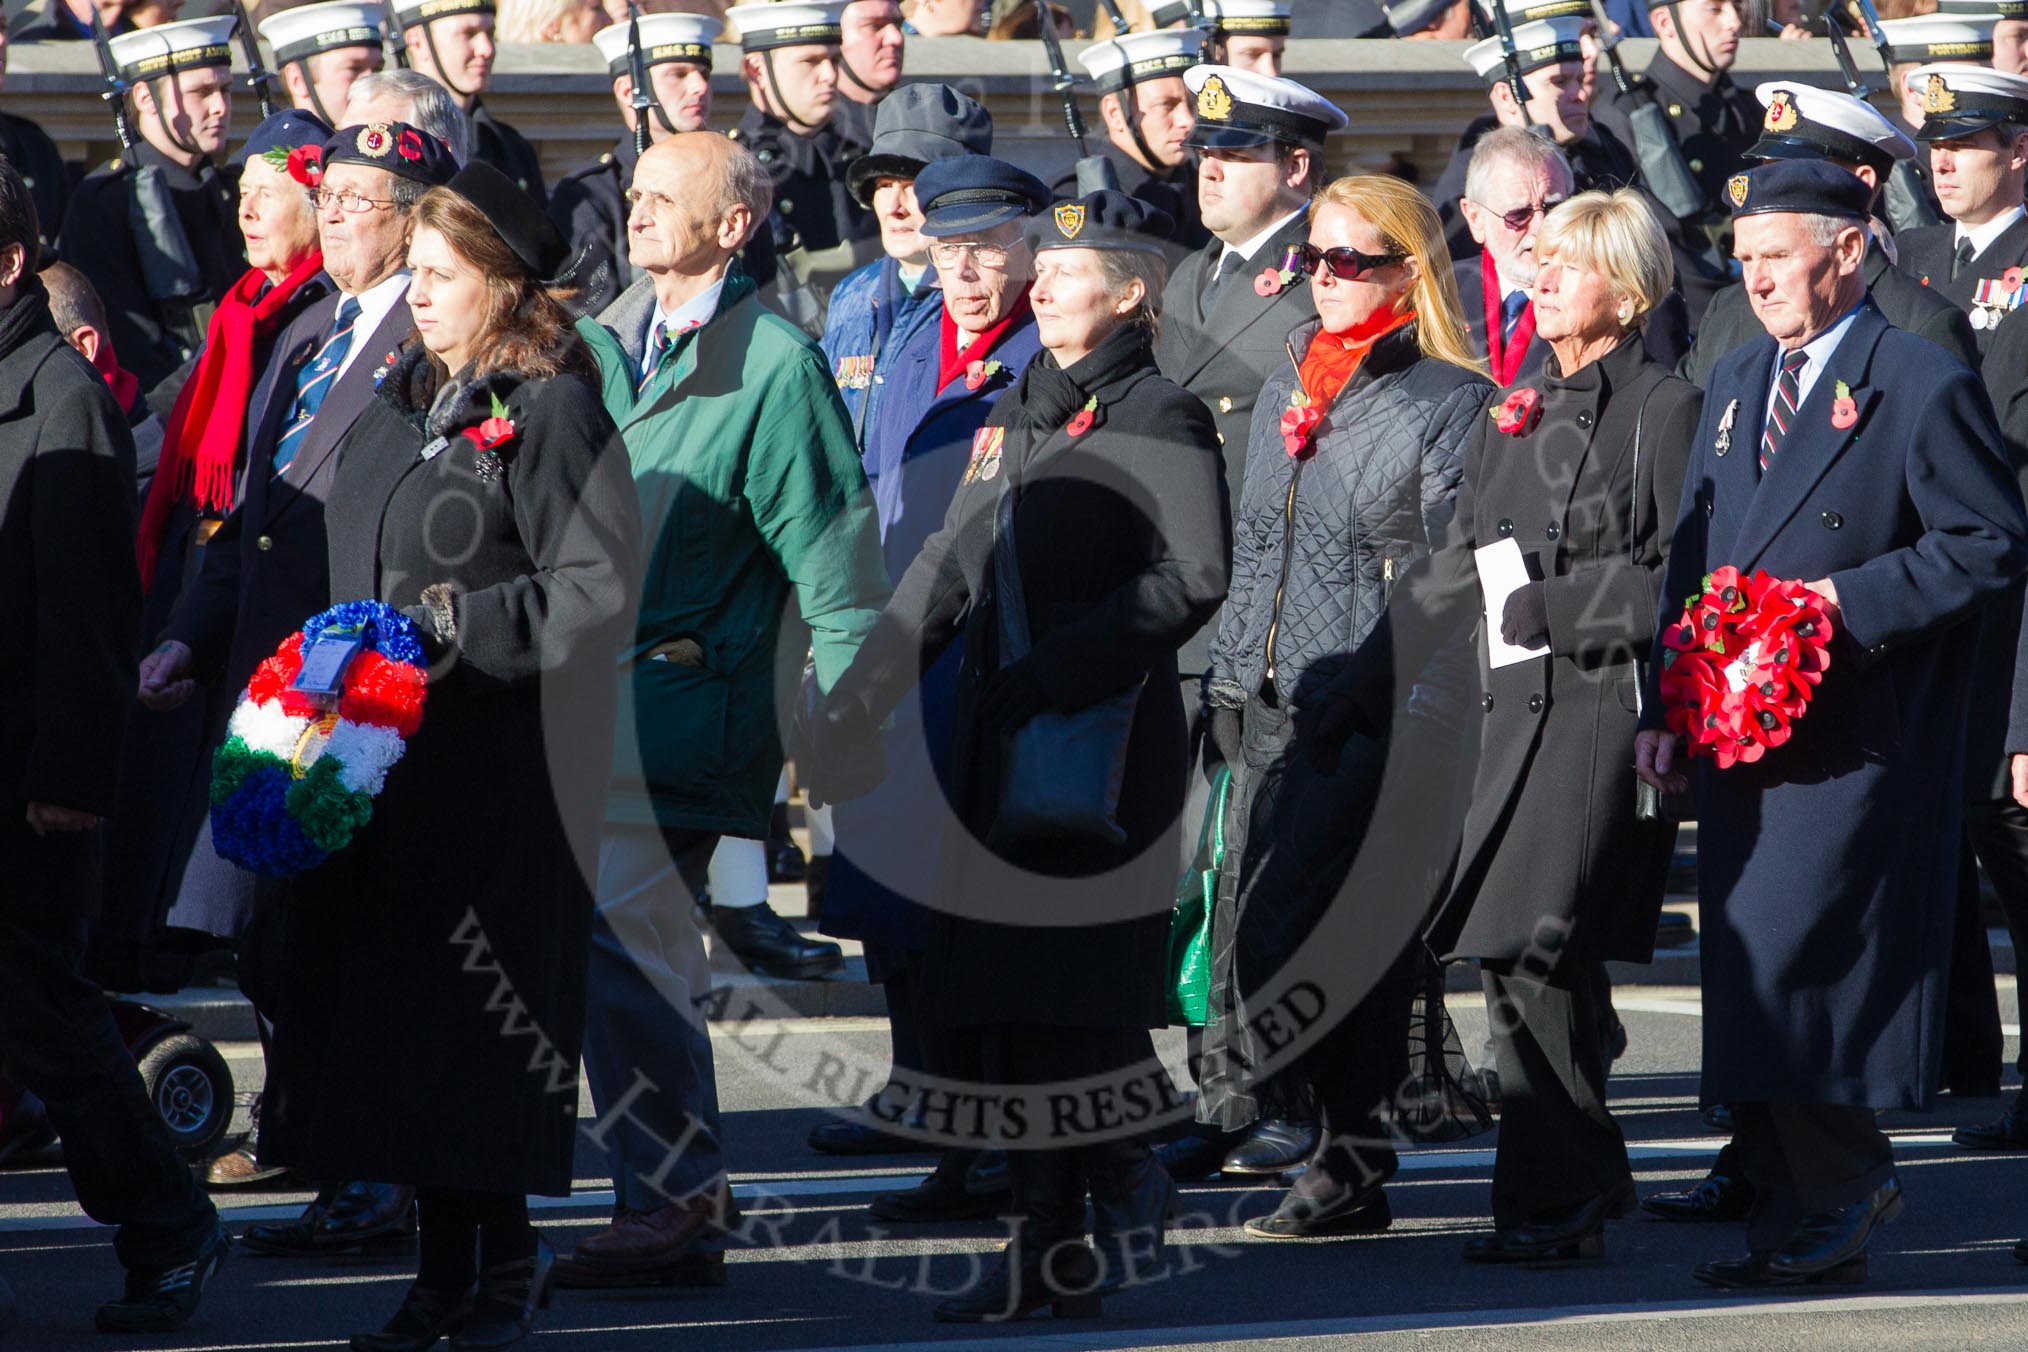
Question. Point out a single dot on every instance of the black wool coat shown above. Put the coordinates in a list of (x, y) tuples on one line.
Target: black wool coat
[(1124, 541), (1987, 774), (439, 961), (1550, 836), (506, 150), (70, 597), (1226, 356), (1825, 868)]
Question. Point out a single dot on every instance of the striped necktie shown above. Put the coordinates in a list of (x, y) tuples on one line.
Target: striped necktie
[(660, 350), (313, 382), (1781, 409)]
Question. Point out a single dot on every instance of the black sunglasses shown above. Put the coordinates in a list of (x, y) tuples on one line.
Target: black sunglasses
[(1347, 264), (1517, 220)]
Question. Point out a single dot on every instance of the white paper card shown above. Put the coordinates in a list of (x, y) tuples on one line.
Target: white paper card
[(1502, 569)]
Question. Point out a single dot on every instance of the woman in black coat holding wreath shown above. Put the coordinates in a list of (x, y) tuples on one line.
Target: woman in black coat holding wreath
[(1578, 473), (486, 495), (1094, 501)]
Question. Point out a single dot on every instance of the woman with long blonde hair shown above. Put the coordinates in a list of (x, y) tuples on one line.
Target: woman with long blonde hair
[(1357, 448)]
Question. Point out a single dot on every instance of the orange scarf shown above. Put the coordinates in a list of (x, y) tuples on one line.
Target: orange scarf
[(1334, 358)]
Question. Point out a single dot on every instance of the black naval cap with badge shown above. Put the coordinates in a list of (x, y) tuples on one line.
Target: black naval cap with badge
[(1804, 122), (1107, 219), (1238, 110), (965, 194), (1805, 187)]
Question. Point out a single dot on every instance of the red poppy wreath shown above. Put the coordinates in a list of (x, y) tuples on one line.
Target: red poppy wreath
[(1740, 666)]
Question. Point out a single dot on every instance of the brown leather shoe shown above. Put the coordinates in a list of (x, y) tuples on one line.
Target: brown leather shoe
[(651, 1241), (239, 1169)]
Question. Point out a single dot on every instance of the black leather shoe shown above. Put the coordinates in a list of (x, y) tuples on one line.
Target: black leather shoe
[(426, 1316), (769, 945), (159, 1299), (287, 1239), (1063, 1279), (367, 1213), (988, 1175), (1731, 1274), (509, 1294), (26, 1130), (2021, 1251), (1831, 1239), (1580, 1235), (1130, 1203), (1719, 1197), (856, 1136), (942, 1196), (1352, 1211), (2008, 1132), (1718, 1117), (1197, 1157), (689, 1269), (1274, 1146)]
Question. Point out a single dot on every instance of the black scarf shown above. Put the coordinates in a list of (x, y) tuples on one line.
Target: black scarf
[(26, 317), (1047, 395)]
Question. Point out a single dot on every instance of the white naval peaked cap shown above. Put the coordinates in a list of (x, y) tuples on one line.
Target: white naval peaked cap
[(1941, 37), (664, 37), (190, 44), (792, 23), (1965, 100), (1238, 108), (1805, 122), (1538, 43), (309, 29), (1250, 18), (1117, 62)]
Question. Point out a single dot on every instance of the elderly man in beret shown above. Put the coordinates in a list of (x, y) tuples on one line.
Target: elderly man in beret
[(1862, 461), (265, 569)]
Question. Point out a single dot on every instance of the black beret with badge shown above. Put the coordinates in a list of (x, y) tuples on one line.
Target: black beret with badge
[(404, 151), (1108, 219), (1806, 187)]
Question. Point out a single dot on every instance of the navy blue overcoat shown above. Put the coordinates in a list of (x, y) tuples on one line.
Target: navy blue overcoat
[(1827, 869)]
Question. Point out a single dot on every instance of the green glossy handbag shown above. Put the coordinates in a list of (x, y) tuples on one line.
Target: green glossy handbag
[(1189, 988)]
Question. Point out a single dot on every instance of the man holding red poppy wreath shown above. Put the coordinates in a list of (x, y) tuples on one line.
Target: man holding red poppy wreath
[(1863, 462)]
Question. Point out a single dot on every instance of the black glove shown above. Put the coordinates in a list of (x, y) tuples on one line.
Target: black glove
[(1339, 718), (846, 759), (1013, 697), (1221, 742), (1525, 621)]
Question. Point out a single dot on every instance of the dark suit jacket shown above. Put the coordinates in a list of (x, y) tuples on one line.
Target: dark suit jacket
[(1225, 357), (1908, 304), (1925, 255), (1665, 337), (265, 571), (1826, 953)]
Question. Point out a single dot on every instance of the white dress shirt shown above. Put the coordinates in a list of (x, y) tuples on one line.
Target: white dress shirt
[(375, 303), (697, 311), (1818, 350), (1983, 236)]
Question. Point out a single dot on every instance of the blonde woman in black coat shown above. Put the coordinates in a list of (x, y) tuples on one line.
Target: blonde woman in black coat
[(1580, 469)]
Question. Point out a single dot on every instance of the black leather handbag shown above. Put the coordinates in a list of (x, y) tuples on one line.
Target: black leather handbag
[(1062, 772)]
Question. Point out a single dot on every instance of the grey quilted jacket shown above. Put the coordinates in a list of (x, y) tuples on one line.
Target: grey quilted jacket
[(1319, 541)]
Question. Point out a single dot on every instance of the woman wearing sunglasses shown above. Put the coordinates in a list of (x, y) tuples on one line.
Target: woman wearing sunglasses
[(1358, 443), (1578, 473)]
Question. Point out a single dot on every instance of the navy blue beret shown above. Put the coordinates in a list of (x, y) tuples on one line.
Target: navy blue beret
[(288, 129), (960, 194), (1107, 219)]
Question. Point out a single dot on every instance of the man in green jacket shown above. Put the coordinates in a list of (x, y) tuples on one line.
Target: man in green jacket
[(764, 546)]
